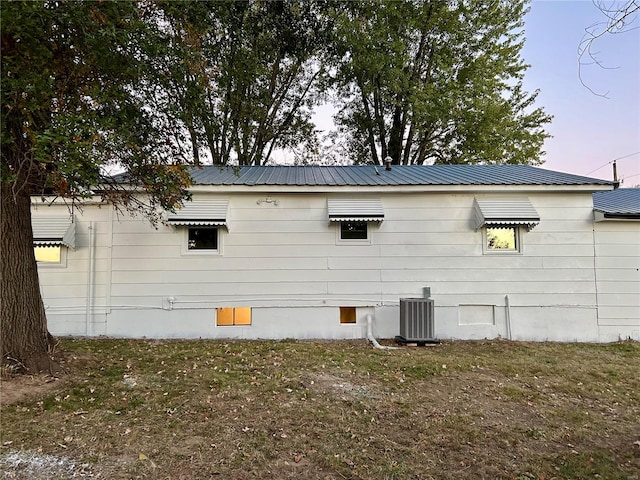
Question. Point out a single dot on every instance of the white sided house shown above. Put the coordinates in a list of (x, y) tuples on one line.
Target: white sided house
[(506, 251)]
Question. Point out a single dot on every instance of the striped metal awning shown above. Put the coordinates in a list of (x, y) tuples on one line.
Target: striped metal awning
[(50, 231), (200, 213), (505, 212), (355, 210)]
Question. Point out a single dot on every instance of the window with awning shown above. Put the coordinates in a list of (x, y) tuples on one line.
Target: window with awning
[(501, 213), (355, 210), (200, 213), (50, 231)]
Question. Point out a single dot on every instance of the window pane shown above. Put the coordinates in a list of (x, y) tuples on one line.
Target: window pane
[(353, 230), (203, 239), (347, 314), (47, 254), (242, 316), (225, 316), (501, 238)]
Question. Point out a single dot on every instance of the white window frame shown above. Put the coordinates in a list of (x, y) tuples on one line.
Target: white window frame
[(352, 241), (208, 252)]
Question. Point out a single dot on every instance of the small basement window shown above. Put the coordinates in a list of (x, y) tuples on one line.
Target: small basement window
[(233, 316), (347, 314), (502, 239), (353, 230), (202, 238)]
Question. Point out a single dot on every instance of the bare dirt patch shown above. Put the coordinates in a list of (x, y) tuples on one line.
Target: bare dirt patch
[(21, 388)]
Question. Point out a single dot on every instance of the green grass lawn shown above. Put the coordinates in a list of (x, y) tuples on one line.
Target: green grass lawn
[(328, 410)]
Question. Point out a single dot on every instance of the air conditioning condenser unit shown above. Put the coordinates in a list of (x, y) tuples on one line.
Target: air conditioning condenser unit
[(417, 321)]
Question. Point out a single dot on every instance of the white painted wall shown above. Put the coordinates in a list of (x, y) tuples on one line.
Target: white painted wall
[(617, 245), (286, 263), (64, 287)]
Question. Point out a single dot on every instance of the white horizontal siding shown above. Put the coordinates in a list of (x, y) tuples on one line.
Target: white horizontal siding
[(64, 287), (628, 250), (617, 246), (220, 288), (213, 263), (288, 249)]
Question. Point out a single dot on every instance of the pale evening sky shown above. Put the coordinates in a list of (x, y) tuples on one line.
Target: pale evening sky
[(588, 131)]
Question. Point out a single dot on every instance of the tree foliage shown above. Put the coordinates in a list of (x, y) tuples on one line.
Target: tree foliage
[(243, 77), (429, 81), (73, 103)]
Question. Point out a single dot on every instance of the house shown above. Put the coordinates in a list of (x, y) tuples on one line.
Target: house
[(617, 252), (312, 252)]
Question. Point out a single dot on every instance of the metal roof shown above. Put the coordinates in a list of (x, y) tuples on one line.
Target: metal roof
[(623, 202), (370, 175)]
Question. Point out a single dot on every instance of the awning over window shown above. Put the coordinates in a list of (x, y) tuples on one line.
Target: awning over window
[(200, 212), (54, 231), (355, 210), (505, 212)]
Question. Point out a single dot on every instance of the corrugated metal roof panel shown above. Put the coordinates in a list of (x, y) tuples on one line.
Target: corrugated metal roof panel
[(54, 231), (513, 211), (355, 210), (201, 212), (623, 201), (370, 175)]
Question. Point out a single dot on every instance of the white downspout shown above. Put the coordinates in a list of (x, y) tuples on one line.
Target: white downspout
[(90, 281), (372, 339), (508, 315)]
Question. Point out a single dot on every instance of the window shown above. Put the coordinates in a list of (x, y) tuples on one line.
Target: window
[(502, 239), (52, 237), (202, 238), (201, 220), (353, 231), (233, 316), (354, 217), (48, 255), (503, 221), (347, 315)]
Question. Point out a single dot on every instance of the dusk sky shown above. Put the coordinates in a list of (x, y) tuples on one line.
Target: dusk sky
[(589, 131)]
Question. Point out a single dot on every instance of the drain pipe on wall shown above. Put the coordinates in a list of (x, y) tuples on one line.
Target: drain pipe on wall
[(372, 339), (90, 280), (508, 315)]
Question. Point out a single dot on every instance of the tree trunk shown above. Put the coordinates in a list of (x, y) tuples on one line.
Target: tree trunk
[(26, 342)]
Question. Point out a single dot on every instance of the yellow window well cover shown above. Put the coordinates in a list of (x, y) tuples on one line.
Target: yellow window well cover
[(54, 231), (494, 212), (353, 210)]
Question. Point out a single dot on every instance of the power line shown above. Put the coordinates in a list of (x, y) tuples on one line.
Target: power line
[(610, 162)]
